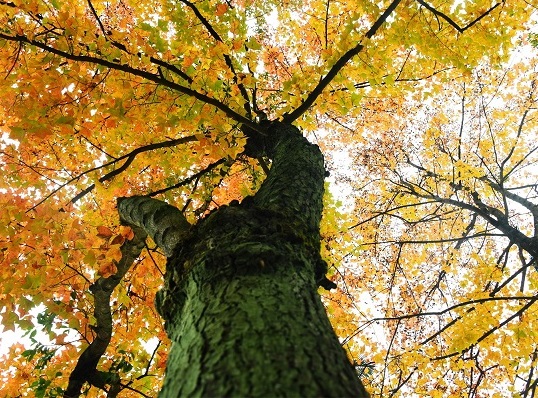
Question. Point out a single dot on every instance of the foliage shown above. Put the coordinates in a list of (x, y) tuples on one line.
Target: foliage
[(448, 217), (101, 100)]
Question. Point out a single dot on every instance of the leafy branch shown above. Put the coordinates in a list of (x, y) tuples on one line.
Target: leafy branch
[(227, 58), (337, 67), (129, 158), (399, 318), (153, 77), (344, 59)]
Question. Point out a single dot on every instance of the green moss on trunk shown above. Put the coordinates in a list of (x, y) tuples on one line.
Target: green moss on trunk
[(240, 298)]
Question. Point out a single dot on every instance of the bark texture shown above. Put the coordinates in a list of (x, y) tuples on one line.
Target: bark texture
[(240, 298)]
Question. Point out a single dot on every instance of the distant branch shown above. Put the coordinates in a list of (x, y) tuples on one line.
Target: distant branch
[(429, 241), (492, 215), (531, 299), (344, 59), (8, 3), (397, 80), (516, 198), (451, 21)]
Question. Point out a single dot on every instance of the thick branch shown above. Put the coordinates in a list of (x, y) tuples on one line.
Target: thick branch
[(167, 227), (86, 368), (164, 223), (497, 220)]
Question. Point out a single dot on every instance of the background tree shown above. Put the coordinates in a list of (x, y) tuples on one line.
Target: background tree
[(453, 231), (102, 100)]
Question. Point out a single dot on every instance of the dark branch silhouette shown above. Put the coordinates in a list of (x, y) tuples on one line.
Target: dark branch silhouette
[(156, 78), (129, 158), (337, 67)]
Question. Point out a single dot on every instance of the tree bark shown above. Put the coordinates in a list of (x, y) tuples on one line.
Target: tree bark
[(240, 298)]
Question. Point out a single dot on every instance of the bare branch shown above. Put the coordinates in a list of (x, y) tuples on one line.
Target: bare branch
[(454, 24)]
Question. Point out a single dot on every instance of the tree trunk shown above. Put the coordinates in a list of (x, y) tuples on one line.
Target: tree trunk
[(240, 298)]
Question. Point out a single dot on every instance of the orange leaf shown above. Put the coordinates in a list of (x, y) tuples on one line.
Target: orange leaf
[(107, 269), (104, 232), (221, 9), (127, 233), (118, 240)]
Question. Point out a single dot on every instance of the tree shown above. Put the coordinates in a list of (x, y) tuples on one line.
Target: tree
[(196, 103), (455, 220)]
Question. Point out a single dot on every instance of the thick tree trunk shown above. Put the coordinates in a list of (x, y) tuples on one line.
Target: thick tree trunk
[(240, 298)]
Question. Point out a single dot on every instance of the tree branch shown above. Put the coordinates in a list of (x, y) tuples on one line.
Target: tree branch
[(399, 318), (86, 368), (342, 61), (167, 226), (94, 13), (156, 78), (531, 301), (129, 159), (451, 22), (227, 58), (164, 223), (190, 179)]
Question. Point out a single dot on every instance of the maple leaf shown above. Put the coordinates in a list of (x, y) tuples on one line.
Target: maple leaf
[(104, 232)]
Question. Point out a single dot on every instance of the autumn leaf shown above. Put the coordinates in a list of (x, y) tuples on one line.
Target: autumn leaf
[(107, 269), (221, 9), (118, 240), (104, 232), (127, 233)]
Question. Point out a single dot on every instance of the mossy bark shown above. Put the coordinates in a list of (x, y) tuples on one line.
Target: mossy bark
[(240, 298)]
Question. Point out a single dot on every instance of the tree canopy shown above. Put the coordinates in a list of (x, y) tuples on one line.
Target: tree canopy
[(424, 109)]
